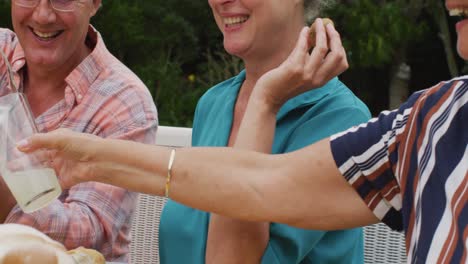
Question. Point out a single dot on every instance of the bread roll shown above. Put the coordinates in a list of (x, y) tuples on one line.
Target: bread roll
[(21, 244), (312, 33), (84, 256), (30, 253)]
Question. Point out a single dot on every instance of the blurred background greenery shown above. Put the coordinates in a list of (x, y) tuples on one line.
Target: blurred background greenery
[(394, 48)]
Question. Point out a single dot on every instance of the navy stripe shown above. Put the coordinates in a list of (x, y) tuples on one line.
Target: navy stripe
[(447, 155)]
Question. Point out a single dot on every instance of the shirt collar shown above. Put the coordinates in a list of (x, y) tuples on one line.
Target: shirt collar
[(304, 99), (84, 75), (18, 61)]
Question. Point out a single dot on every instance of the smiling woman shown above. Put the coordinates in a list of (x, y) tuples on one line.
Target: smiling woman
[(263, 33)]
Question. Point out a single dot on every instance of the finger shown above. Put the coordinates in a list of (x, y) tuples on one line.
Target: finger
[(336, 61), (320, 34), (312, 39), (303, 42), (321, 46), (37, 141), (297, 56), (53, 141), (334, 37), (334, 64), (319, 52)]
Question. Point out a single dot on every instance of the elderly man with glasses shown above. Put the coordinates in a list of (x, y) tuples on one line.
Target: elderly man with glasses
[(71, 80)]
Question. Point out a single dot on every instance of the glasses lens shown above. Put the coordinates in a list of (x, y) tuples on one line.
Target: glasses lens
[(26, 3), (63, 5)]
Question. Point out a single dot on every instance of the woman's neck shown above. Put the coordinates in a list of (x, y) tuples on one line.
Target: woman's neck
[(259, 62)]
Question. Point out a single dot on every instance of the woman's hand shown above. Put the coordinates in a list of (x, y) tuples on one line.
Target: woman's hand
[(304, 70), (72, 154)]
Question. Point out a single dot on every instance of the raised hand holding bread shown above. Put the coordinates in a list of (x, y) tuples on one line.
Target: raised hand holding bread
[(304, 70), (313, 31)]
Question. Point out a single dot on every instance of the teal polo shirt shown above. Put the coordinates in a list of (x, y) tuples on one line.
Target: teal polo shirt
[(302, 121)]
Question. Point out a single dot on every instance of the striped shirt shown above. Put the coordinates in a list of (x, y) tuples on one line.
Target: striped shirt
[(104, 98), (410, 166)]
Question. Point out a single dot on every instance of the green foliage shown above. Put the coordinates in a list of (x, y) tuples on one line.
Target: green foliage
[(5, 14), (219, 66), (372, 31), (162, 42), (176, 95), (176, 48)]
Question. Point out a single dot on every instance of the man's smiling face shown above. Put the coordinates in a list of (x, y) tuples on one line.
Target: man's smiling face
[(51, 38)]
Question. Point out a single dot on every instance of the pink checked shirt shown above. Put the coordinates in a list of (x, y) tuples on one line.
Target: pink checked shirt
[(103, 98)]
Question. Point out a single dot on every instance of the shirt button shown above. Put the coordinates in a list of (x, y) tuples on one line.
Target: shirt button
[(18, 63)]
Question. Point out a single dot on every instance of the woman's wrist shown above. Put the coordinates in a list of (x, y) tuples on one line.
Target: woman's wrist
[(265, 103), (115, 160)]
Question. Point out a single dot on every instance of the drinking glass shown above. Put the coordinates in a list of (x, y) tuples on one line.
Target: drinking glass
[(29, 177)]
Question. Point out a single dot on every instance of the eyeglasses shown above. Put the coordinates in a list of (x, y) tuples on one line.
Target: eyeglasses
[(59, 5)]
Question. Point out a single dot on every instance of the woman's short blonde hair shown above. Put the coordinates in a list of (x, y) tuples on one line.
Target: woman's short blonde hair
[(313, 8)]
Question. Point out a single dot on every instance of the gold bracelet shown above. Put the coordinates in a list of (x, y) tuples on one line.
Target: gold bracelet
[(169, 168)]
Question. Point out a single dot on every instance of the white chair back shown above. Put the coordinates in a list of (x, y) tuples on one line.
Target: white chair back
[(174, 136), (383, 245), (144, 248)]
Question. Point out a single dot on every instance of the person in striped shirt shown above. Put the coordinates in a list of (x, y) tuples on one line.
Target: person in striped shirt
[(407, 168), (71, 80)]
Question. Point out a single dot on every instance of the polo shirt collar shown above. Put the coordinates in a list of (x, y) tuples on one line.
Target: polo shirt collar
[(304, 99)]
